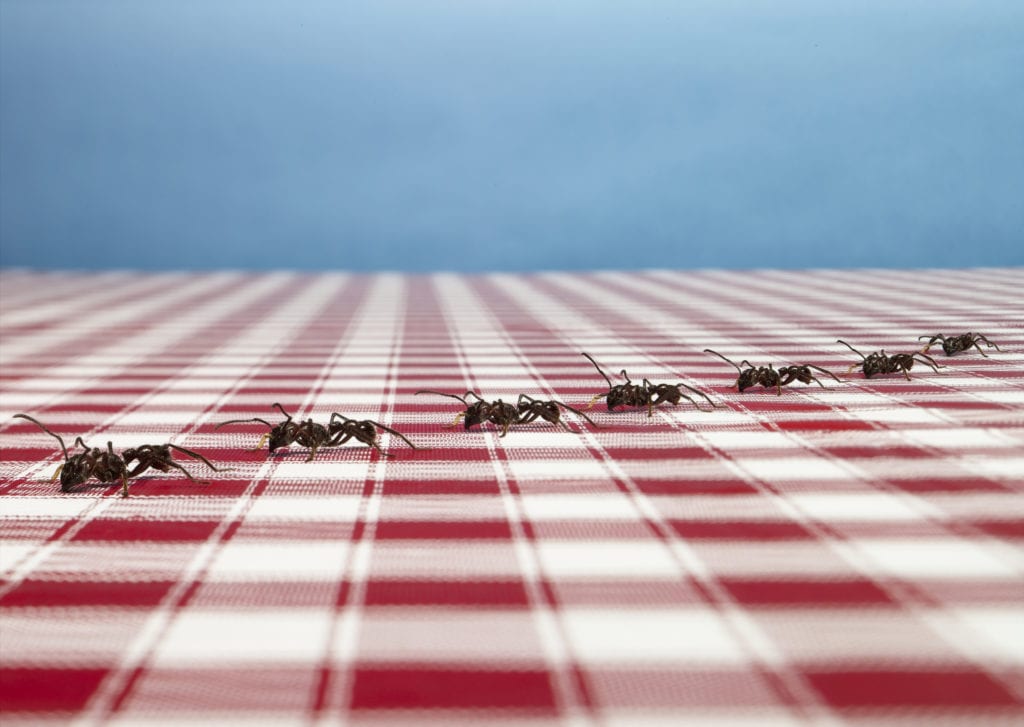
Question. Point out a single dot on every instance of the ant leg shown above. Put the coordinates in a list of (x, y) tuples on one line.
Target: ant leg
[(698, 392), (397, 434), (124, 485), (377, 446), (188, 474), (338, 439), (824, 371), (528, 418), (935, 365), (195, 455), (562, 422), (695, 404), (577, 412), (142, 466), (57, 473), (312, 453), (987, 343)]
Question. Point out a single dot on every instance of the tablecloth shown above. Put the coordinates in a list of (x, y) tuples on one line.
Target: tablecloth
[(840, 554)]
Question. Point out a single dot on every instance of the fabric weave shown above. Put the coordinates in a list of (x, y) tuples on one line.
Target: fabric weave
[(847, 554)]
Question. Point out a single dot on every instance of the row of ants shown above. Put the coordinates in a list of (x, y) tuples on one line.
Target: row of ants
[(107, 466)]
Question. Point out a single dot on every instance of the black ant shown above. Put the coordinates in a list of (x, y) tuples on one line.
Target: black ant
[(956, 344), (499, 413), (308, 434), (314, 436), (109, 467), (530, 409), (768, 377), (645, 394), (879, 363), (504, 415), (342, 429)]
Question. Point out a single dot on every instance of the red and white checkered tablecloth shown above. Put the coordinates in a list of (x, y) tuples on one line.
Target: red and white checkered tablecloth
[(841, 555)]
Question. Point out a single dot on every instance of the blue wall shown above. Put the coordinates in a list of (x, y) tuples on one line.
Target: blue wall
[(511, 135)]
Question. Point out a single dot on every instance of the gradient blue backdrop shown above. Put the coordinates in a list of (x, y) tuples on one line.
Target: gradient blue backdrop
[(511, 135)]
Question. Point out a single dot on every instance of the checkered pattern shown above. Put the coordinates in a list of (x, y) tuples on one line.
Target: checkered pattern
[(848, 554)]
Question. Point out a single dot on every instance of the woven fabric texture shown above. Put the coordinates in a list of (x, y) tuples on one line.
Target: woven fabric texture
[(840, 554)]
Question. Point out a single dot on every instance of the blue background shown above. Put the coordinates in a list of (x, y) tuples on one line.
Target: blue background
[(511, 135)]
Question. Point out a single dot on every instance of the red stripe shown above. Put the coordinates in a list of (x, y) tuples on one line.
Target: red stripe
[(432, 688), (47, 690), (446, 593), (887, 688)]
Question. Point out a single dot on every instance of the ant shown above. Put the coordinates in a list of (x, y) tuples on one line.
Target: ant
[(314, 436), (498, 412), (342, 429), (109, 467), (531, 409), (956, 344), (769, 377), (526, 410), (879, 363), (645, 394)]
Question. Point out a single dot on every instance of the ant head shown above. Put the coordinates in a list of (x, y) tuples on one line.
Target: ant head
[(75, 471), (280, 436), (746, 379), (619, 395), (476, 413)]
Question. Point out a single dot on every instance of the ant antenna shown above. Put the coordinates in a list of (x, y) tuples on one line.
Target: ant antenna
[(43, 427), (851, 348), (243, 421), (591, 359), (716, 353), (287, 416), (441, 393)]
